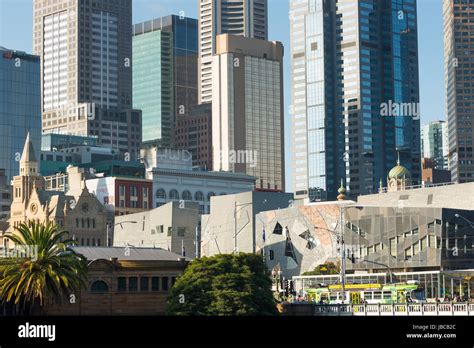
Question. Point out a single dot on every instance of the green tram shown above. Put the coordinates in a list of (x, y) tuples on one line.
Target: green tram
[(367, 293)]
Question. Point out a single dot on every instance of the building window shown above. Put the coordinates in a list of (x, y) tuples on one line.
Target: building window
[(144, 281), (145, 192), (272, 254), (133, 191), (209, 195), (170, 231), (160, 194), (187, 196), (278, 229), (160, 229), (174, 195), (181, 231), (133, 284), (121, 284), (77, 222), (122, 203), (99, 286), (199, 196), (122, 190), (164, 283), (155, 283)]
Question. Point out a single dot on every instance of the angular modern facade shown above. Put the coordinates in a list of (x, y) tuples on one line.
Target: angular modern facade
[(247, 18), (20, 107), (247, 109), (354, 94), (434, 143), (165, 52), (458, 57), (86, 73)]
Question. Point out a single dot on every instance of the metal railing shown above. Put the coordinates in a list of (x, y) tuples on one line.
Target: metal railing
[(413, 187), (398, 309)]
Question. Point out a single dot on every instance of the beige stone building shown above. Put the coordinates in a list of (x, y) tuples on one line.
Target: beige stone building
[(77, 211)]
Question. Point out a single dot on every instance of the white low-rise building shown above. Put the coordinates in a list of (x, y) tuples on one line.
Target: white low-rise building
[(175, 180)]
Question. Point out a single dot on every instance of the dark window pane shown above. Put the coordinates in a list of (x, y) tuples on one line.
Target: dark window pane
[(144, 283), (133, 284), (121, 284), (155, 283), (164, 284)]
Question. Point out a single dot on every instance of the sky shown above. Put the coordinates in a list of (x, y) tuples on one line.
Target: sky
[(16, 33)]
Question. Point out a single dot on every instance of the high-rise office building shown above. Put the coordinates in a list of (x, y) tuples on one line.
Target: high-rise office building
[(354, 94), (247, 109), (236, 17), (458, 62), (86, 72), (165, 52), (153, 82), (434, 143), (20, 107), (194, 134)]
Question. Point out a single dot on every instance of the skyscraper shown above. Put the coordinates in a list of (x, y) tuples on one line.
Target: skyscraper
[(86, 74), (458, 58), (247, 109), (237, 17), (434, 143), (165, 52), (20, 107), (354, 94)]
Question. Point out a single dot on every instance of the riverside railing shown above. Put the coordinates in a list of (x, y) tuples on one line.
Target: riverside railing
[(398, 309)]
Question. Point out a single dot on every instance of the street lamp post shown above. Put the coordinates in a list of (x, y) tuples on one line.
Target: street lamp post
[(118, 223)]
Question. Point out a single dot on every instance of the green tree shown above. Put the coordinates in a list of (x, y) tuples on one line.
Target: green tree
[(326, 268), (55, 273), (221, 285)]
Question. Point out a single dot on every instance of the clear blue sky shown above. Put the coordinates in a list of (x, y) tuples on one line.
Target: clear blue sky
[(16, 33)]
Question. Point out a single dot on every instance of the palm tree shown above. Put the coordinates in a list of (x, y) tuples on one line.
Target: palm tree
[(55, 273)]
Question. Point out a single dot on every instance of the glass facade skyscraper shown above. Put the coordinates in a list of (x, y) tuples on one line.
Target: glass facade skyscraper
[(459, 74), (20, 106), (165, 52), (434, 143), (351, 62)]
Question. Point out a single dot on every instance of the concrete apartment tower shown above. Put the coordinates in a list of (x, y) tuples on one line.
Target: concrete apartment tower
[(86, 73), (237, 17), (458, 58), (247, 109), (352, 60)]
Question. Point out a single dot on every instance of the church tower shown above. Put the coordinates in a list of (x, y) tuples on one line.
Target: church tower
[(24, 184)]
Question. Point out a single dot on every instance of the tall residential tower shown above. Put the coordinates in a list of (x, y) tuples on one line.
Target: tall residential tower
[(236, 17), (355, 99)]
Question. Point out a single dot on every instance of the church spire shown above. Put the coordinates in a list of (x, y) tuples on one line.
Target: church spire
[(28, 161)]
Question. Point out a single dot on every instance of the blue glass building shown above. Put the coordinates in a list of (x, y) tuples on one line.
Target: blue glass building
[(20, 107), (165, 53), (355, 92)]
